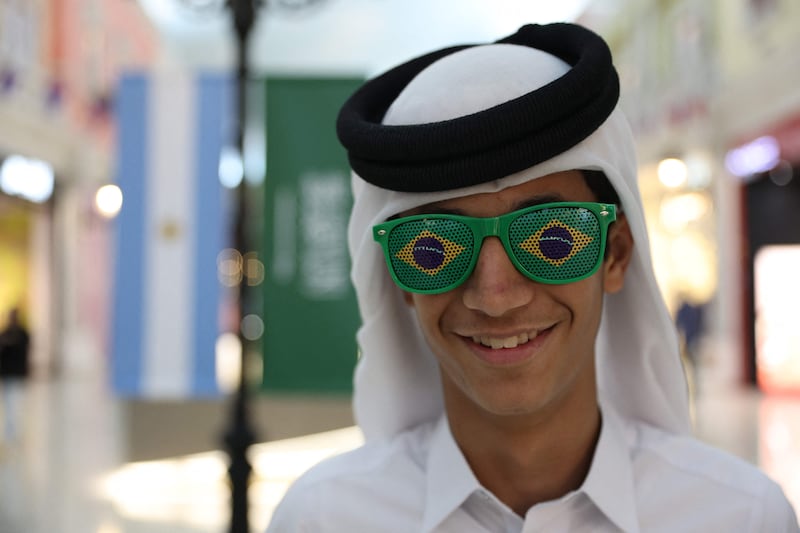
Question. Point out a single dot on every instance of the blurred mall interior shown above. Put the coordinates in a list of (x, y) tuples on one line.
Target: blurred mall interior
[(121, 244)]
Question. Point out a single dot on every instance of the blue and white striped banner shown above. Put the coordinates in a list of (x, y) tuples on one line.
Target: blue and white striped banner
[(174, 222)]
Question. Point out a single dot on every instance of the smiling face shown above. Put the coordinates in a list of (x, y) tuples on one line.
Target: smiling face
[(506, 344)]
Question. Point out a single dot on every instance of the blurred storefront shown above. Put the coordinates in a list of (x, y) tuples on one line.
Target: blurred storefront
[(664, 52), (29, 138), (769, 167), (26, 275), (58, 65), (700, 79), (759, 114)]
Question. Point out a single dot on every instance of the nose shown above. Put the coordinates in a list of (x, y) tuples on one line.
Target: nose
[(496, 287)]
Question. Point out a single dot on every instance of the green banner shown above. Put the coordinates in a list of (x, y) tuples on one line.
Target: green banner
[(310, 312)]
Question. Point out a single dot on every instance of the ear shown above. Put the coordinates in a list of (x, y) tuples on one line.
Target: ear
[(619, 250)]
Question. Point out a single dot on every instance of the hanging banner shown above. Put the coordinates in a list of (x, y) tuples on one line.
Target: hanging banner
[(310, 311), (174, 222)]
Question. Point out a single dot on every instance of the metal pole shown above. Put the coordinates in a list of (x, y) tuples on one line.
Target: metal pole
[(240, 435)]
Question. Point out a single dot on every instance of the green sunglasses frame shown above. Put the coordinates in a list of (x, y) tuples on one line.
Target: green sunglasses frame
[(496, 227)]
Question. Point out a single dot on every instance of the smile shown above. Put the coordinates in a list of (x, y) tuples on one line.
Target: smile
[(497, 343)]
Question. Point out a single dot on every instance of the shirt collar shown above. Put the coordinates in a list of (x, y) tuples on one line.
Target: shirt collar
[(450, 479), (609, 483)]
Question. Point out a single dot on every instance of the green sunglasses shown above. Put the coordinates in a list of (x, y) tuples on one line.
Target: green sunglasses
[(552, 243)]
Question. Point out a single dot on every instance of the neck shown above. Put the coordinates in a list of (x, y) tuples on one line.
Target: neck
[(543, 456)]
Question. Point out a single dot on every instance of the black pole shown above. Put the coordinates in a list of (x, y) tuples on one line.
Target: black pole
[(240, 435)]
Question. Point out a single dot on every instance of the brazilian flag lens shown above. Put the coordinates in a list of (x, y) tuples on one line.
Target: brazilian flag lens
[(553, 243)]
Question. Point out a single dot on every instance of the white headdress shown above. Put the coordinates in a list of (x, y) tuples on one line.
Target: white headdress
[(397, 383)]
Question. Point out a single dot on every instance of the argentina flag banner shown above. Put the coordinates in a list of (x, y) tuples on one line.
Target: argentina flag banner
[(174, 222)]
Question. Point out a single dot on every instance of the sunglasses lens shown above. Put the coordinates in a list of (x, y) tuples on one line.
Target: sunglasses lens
[(557, 245), (430, 254)]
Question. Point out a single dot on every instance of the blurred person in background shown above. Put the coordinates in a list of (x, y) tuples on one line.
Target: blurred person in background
[(14, 370), (689, 320), (519, 370)]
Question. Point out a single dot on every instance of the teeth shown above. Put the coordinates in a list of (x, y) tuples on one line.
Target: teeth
[(497, 343)]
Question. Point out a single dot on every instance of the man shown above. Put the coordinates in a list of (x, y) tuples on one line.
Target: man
[(519, 369)]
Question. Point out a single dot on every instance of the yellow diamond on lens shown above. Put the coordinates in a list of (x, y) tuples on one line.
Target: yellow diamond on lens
[(429, 252), (561, 242)]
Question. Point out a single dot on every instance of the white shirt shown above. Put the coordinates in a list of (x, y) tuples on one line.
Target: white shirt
[(641, 479)]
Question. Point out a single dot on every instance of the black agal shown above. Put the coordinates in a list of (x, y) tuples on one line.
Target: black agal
[(489, 144)]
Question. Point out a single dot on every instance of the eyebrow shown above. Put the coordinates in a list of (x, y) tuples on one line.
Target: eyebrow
[(538, 199)]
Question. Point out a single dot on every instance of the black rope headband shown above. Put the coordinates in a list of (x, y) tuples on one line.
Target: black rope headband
[(489, 144)]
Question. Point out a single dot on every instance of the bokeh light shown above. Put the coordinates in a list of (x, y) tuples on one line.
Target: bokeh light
[(108, 200)]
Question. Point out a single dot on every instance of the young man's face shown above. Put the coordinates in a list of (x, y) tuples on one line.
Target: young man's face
[(506, 344)]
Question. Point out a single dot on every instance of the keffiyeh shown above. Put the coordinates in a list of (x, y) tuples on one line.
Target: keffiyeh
[(397, 382)]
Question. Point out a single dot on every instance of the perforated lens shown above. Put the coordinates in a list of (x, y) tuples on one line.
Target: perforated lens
[(551, 243), (557, 244), (430, 254)]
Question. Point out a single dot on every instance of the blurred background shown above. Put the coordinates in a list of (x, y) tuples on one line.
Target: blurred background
[(153, 246)]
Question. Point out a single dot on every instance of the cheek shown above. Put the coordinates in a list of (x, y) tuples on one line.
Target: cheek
[(429, 309), (585, 301), (592, 305)]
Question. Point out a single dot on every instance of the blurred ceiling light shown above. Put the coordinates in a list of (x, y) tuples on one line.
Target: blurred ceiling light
[(231, 167), (694, 266), (255, 167), (229, 267), (252, 327), (782, 173), (108, 200), (176, 16), (228, 362), (254, 269), (698, 166), (757, 156), (30, 179), (679, 211), (672, 172)]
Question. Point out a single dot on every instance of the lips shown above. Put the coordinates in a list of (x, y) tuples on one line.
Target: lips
[(508, 349)]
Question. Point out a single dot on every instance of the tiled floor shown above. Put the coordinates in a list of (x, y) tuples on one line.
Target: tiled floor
[(66, 474)]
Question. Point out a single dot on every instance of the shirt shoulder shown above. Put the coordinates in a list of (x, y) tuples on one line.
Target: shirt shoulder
[(714, 489), (360, 489)]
